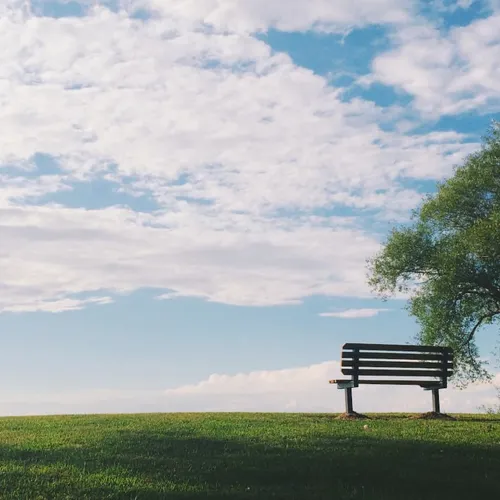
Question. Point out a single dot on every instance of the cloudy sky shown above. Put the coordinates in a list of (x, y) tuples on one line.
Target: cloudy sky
[(189, 190)]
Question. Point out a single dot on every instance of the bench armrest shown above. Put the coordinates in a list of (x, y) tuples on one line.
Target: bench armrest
[(343, 383)]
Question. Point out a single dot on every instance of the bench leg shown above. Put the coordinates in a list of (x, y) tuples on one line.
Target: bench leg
[(436, 408), (348, 401)]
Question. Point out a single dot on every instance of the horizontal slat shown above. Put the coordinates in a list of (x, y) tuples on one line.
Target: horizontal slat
[(430, 365), (394, 355), (395, 373), (421, 383), (397, 347)]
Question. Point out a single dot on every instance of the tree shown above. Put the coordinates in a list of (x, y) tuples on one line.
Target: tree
[(448, 259)]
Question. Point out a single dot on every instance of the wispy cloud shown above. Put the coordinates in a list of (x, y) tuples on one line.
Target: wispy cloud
[(56, 306), (353, 313)]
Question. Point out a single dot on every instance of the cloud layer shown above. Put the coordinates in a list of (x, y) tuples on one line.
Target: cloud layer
[(301, 389), (267, 184)]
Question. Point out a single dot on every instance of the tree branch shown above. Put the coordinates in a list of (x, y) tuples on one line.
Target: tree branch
[(482, 292), (485, 282), (472, 359), (478, 324)]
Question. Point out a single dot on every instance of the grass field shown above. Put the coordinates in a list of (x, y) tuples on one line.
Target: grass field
[(248, 456)]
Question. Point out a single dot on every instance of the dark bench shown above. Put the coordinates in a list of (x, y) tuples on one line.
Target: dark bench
[(426, 366)]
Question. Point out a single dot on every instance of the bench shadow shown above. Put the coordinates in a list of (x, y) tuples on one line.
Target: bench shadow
[(164, 466), (324, 417), (467, 418)]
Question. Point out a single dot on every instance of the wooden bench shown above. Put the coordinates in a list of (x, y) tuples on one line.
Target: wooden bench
[(426, 366)]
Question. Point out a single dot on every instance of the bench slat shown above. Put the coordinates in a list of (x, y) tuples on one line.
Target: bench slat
[(393, 355), (395, 373), (397, 347), (396, 364), (422, 383)]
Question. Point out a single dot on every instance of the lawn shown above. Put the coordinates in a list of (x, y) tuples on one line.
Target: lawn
[(248, 456)]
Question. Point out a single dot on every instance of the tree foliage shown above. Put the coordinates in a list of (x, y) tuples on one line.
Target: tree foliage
[(448, 258)]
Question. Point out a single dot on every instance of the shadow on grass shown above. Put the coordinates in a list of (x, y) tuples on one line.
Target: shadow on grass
[(149, 465), (472, 417)]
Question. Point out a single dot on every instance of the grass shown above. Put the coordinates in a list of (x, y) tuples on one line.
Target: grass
[(248, 456)]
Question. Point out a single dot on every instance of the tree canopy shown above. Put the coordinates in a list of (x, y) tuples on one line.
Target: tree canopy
[(448, 258)]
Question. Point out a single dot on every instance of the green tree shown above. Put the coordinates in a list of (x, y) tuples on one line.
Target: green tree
[(448, 259)]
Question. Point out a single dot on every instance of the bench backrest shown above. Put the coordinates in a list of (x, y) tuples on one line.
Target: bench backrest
[(417, 364)]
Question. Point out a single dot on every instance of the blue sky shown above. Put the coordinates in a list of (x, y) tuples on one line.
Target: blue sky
[(192, 188)]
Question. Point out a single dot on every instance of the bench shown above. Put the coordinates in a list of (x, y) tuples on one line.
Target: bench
[(426, 366)]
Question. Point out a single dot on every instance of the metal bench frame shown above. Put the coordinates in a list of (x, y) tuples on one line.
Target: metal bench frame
[(431, 364)]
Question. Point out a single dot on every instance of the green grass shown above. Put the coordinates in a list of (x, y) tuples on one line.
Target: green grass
[(248, 456)]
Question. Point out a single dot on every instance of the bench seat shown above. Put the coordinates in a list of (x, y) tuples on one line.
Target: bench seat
[(421, 383)]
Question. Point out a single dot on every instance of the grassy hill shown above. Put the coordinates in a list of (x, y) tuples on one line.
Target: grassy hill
[(248, 456)]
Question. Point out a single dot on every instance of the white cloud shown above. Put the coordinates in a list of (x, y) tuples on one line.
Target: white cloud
[(306, 389), (56, 306), (354, 313), (293, 15), (441, 6), (165, 296), (262, 382), (301, 389), (261, 147), (106, 249), (465, 4), (446, 73)]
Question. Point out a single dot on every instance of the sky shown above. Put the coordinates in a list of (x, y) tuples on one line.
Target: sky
[(189, 191)]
